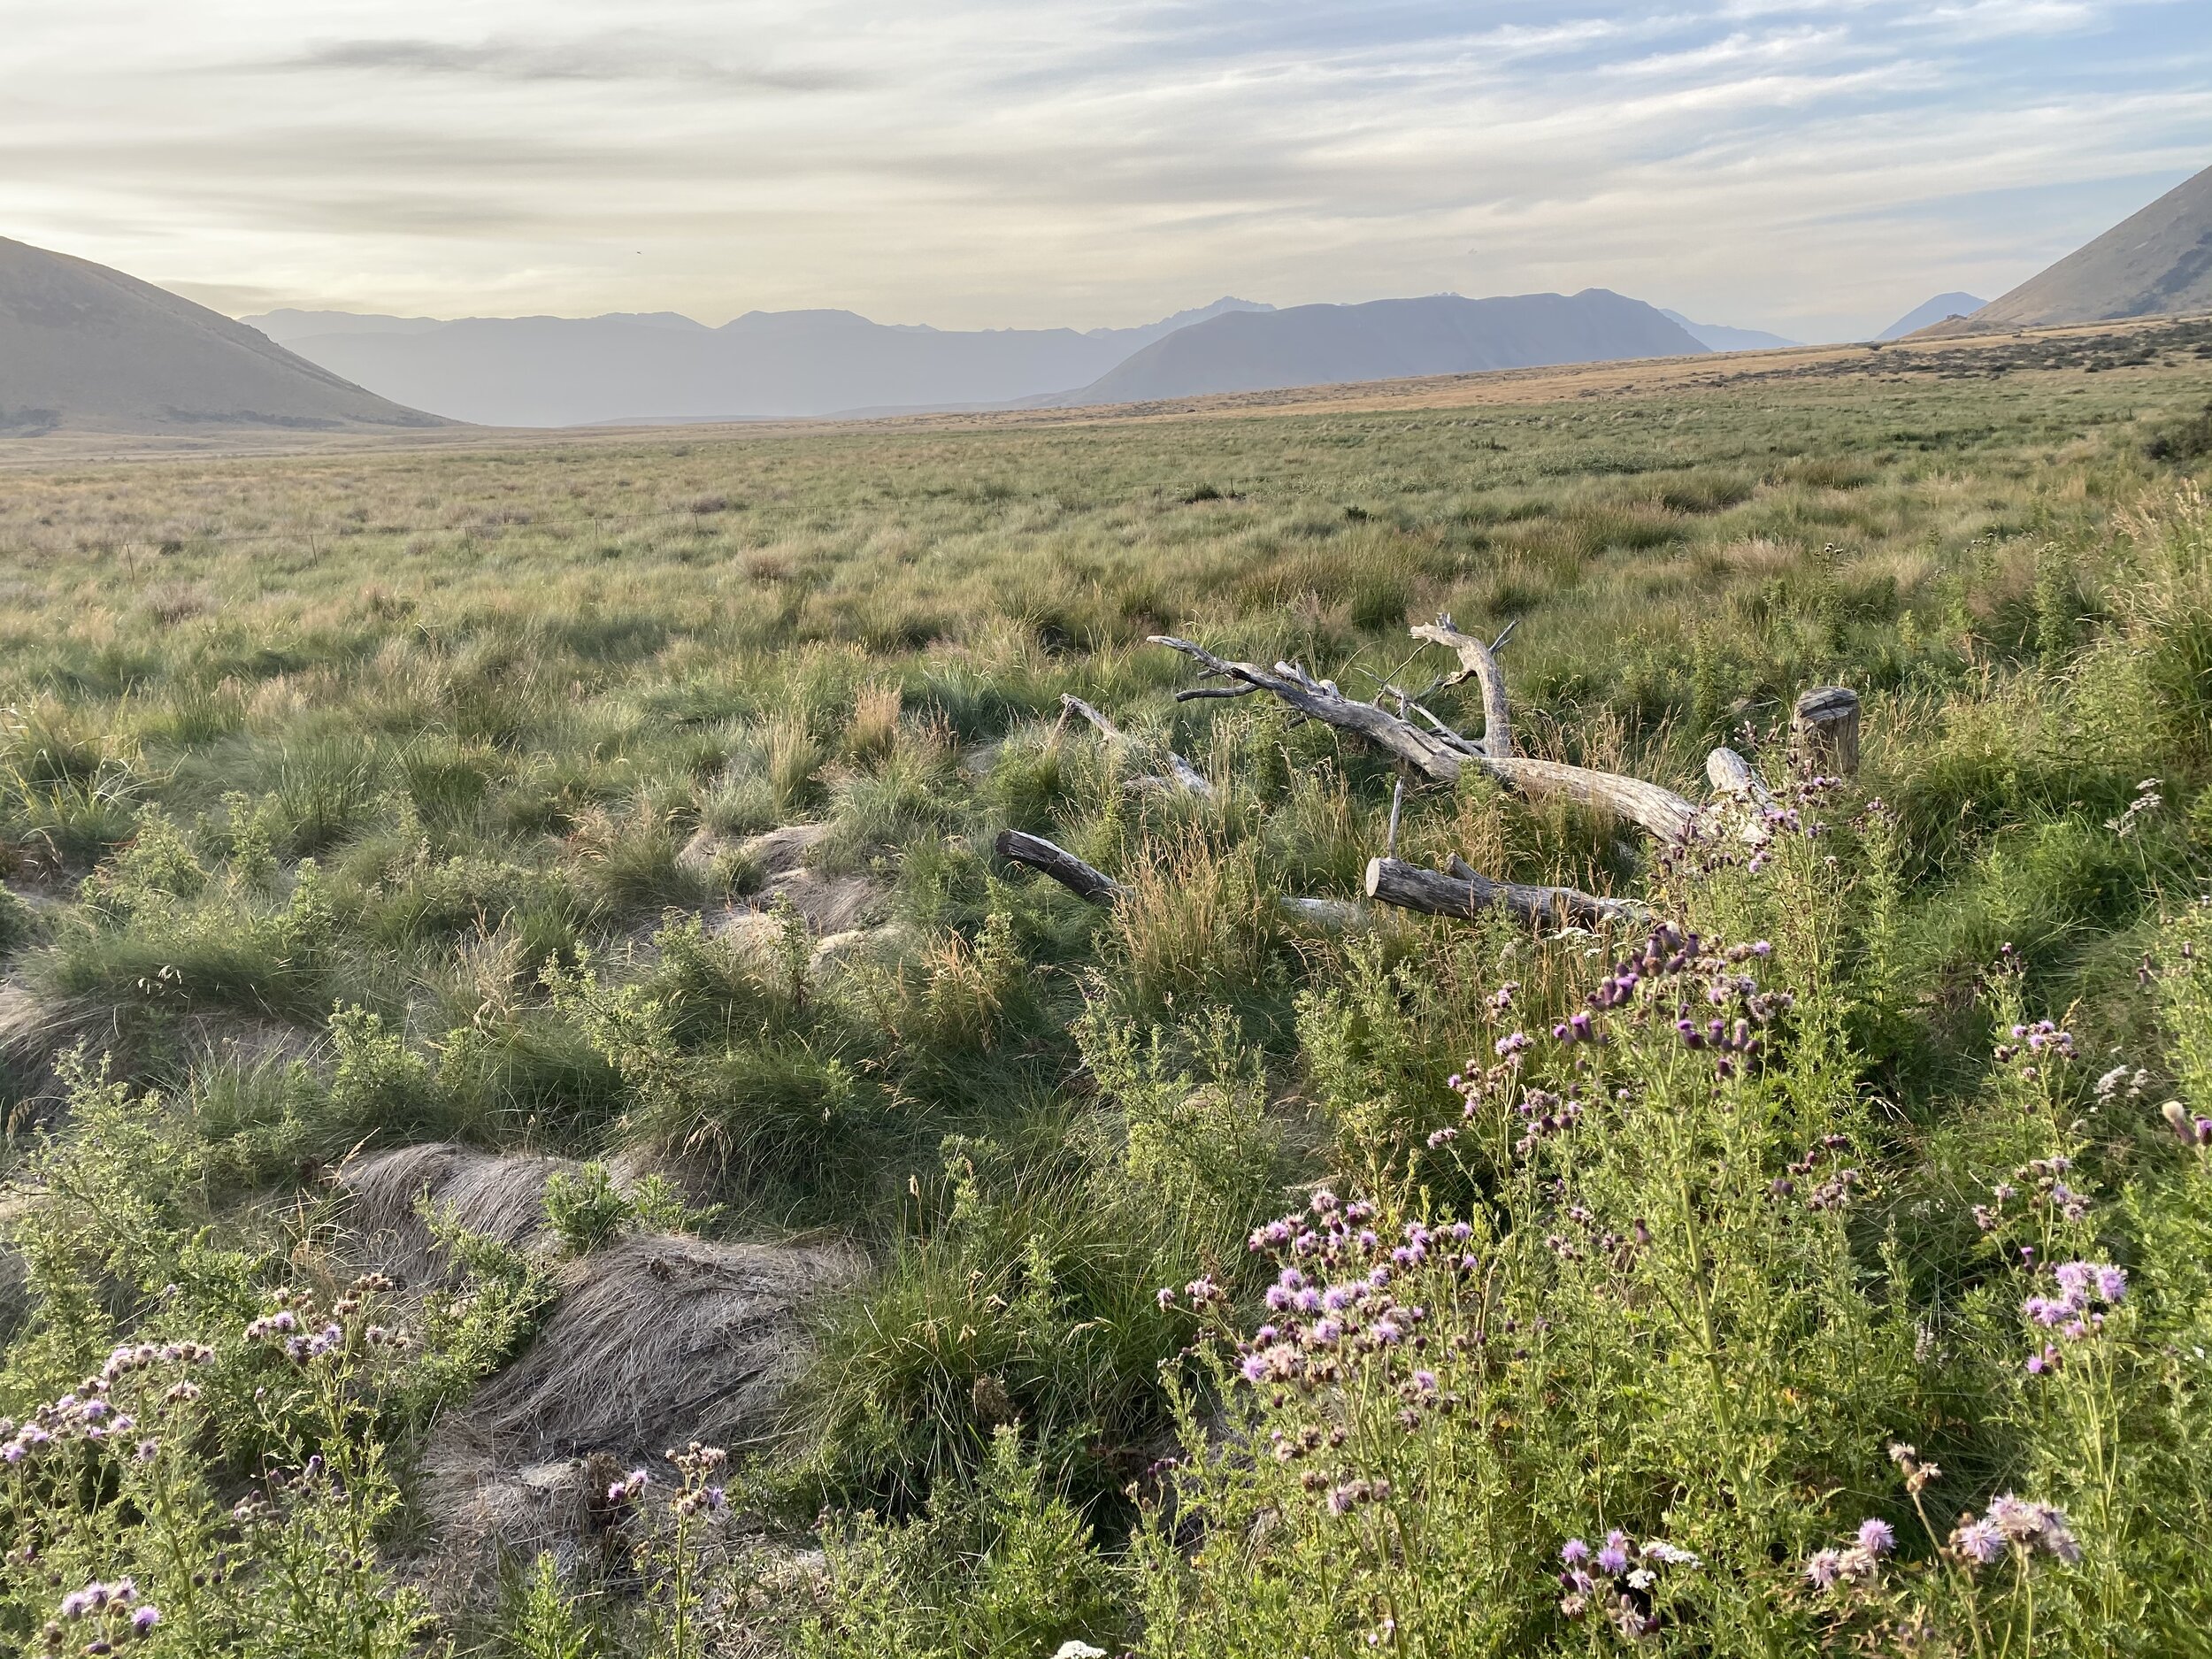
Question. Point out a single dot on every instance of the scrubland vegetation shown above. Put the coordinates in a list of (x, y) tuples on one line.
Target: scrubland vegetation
[(1827, 1267)]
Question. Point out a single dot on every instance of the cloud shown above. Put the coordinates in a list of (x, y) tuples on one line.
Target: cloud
[(606, 58), (994, 161)]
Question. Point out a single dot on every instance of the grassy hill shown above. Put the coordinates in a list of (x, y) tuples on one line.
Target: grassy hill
[(508, 975)]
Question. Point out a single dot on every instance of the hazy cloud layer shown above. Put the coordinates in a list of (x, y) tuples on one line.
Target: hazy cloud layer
[(1815, 166)]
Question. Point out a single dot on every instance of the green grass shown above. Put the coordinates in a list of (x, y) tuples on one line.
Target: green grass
[(358, 816)]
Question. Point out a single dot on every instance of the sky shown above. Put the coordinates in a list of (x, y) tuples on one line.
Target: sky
[(1815, 167)]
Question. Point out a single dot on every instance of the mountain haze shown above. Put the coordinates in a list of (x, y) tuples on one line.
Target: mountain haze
[(1940, 309), (2157, 263), (83, 348), (1382, 340), (1719, 337), (556, 371)]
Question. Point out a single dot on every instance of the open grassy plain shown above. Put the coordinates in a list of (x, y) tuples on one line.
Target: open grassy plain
[(555, 877)]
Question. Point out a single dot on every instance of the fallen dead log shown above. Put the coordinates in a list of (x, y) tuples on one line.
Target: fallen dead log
[(1339, 913), (1410, 888), (1181, 774), (1094, 887), (1738, 794)]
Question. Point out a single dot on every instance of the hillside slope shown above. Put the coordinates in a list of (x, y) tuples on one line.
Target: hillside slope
[(85, 348), (562, 370), (1941, 309), (2155, 263), (1320, 345)]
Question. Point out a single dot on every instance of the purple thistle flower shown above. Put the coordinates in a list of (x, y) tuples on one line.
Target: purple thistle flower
[(1981, 1542), (1574, 1552), (1612, 1561), (1165, 1298), (1824, 1569), (1877, 1537), (1254, 1368), (2112, 1283), (144, 1621), (2019, 1520)]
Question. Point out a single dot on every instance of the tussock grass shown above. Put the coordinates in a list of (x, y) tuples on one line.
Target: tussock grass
[(371, 833)]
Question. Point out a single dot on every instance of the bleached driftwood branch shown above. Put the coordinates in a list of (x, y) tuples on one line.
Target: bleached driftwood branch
[(1466, 893), (1478, 662), (1441, 756), (1738, 795), (1181, 774), (1096, 887)]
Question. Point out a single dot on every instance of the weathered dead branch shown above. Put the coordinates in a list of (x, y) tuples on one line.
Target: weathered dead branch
[(1443, 755), (1479, 662), (1738, 794), (1093, 887), (1096, 887), (1434, 757), (1181, 774), (1467, 894)]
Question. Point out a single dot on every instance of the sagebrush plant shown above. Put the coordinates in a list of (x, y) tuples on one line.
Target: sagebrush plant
[(1821, 1266)]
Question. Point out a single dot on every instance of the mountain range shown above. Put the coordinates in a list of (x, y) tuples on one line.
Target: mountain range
[(628, 366), (566, 372), (1717, 337), (90, 348), (1387, 340)]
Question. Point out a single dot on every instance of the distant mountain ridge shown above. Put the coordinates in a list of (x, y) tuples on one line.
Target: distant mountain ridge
[(663, 367), (1384, 340), (84, 348), (1719, 337), (2155, 263), (556, 371), (1940, 309)]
